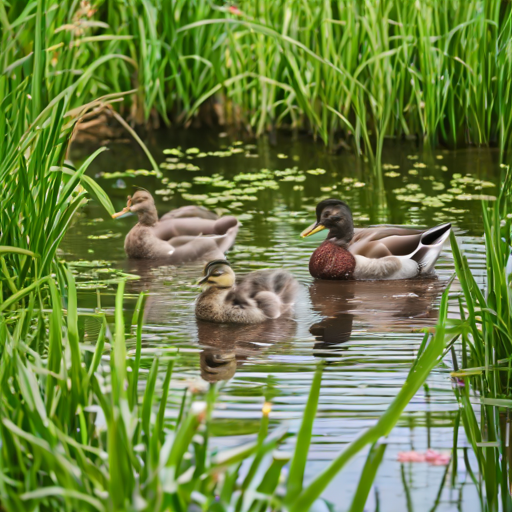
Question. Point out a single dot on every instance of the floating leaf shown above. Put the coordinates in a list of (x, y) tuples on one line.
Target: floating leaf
[(195, 197), (105, 236), (475, 197), (173, 151)]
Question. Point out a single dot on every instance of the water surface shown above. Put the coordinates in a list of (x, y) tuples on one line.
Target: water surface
[(368, 333)]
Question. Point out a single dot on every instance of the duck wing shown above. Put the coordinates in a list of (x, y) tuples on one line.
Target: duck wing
[(193, 226), (273, 290), (421, 246), (190, 211), (193, 248)]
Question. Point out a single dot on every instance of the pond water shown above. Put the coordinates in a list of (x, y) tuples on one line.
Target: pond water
[(368, 333)]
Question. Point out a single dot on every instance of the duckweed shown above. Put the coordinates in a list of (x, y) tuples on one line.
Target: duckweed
[(105, 236), (130, 173), (173, 151)]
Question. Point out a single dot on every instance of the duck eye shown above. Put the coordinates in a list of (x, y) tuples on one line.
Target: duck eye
[(217, 273)]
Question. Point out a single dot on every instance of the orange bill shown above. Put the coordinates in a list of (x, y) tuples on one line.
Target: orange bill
[(126, 209)]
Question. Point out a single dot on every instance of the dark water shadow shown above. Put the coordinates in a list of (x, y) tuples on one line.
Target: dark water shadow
[(381, 306), (226, 347)]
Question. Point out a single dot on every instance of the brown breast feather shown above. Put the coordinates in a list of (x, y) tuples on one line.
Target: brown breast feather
[(331, 261)]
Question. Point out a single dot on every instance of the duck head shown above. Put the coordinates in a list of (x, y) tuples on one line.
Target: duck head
[(334, 215), (217, 274), (143, 205)]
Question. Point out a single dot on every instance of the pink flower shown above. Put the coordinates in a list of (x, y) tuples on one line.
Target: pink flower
[(431, 456), (411, 457), (233, 9)]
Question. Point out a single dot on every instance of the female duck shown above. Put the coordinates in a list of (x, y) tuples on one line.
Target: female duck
[(175, 239), (383, 252), (260, 296)]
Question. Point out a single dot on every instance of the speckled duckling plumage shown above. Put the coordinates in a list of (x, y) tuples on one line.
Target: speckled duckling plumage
[(260, 296), (382, 252)]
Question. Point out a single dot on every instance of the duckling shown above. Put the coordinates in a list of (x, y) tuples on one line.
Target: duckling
[(381, 252), (176, 240), (260, 296)]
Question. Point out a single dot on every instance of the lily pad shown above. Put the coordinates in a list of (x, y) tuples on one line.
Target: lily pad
[(173, 151)]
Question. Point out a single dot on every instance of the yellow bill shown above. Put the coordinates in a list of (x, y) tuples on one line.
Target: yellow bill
[(311, 230)]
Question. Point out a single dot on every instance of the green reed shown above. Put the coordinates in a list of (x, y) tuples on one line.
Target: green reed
[(94, 426), (344, 69), (484, 368)]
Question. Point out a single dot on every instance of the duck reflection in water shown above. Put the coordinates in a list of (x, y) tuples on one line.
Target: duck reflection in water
[(377, 306), (226, 347)]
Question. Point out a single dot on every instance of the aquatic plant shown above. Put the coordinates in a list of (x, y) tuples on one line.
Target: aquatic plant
[(358, 71), (483, 366), (94, 426)]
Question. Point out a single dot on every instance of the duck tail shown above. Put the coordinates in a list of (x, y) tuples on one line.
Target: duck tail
[(285, 286), (273, 291), (430, 247), (226, 229)]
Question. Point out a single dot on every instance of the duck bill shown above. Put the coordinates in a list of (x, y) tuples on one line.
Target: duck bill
[(124, 211), (202, 281), (311, 230)]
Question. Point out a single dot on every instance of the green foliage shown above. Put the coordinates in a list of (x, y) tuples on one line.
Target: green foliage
[(363, 69), (75, 433), (485, 330)]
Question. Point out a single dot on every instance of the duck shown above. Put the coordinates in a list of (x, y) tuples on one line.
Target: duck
[(262, 295), (375, 253), (175, 239)]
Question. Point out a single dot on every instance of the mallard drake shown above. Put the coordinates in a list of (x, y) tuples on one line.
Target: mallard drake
[(260, 296), (382, 252), (175, 240)]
